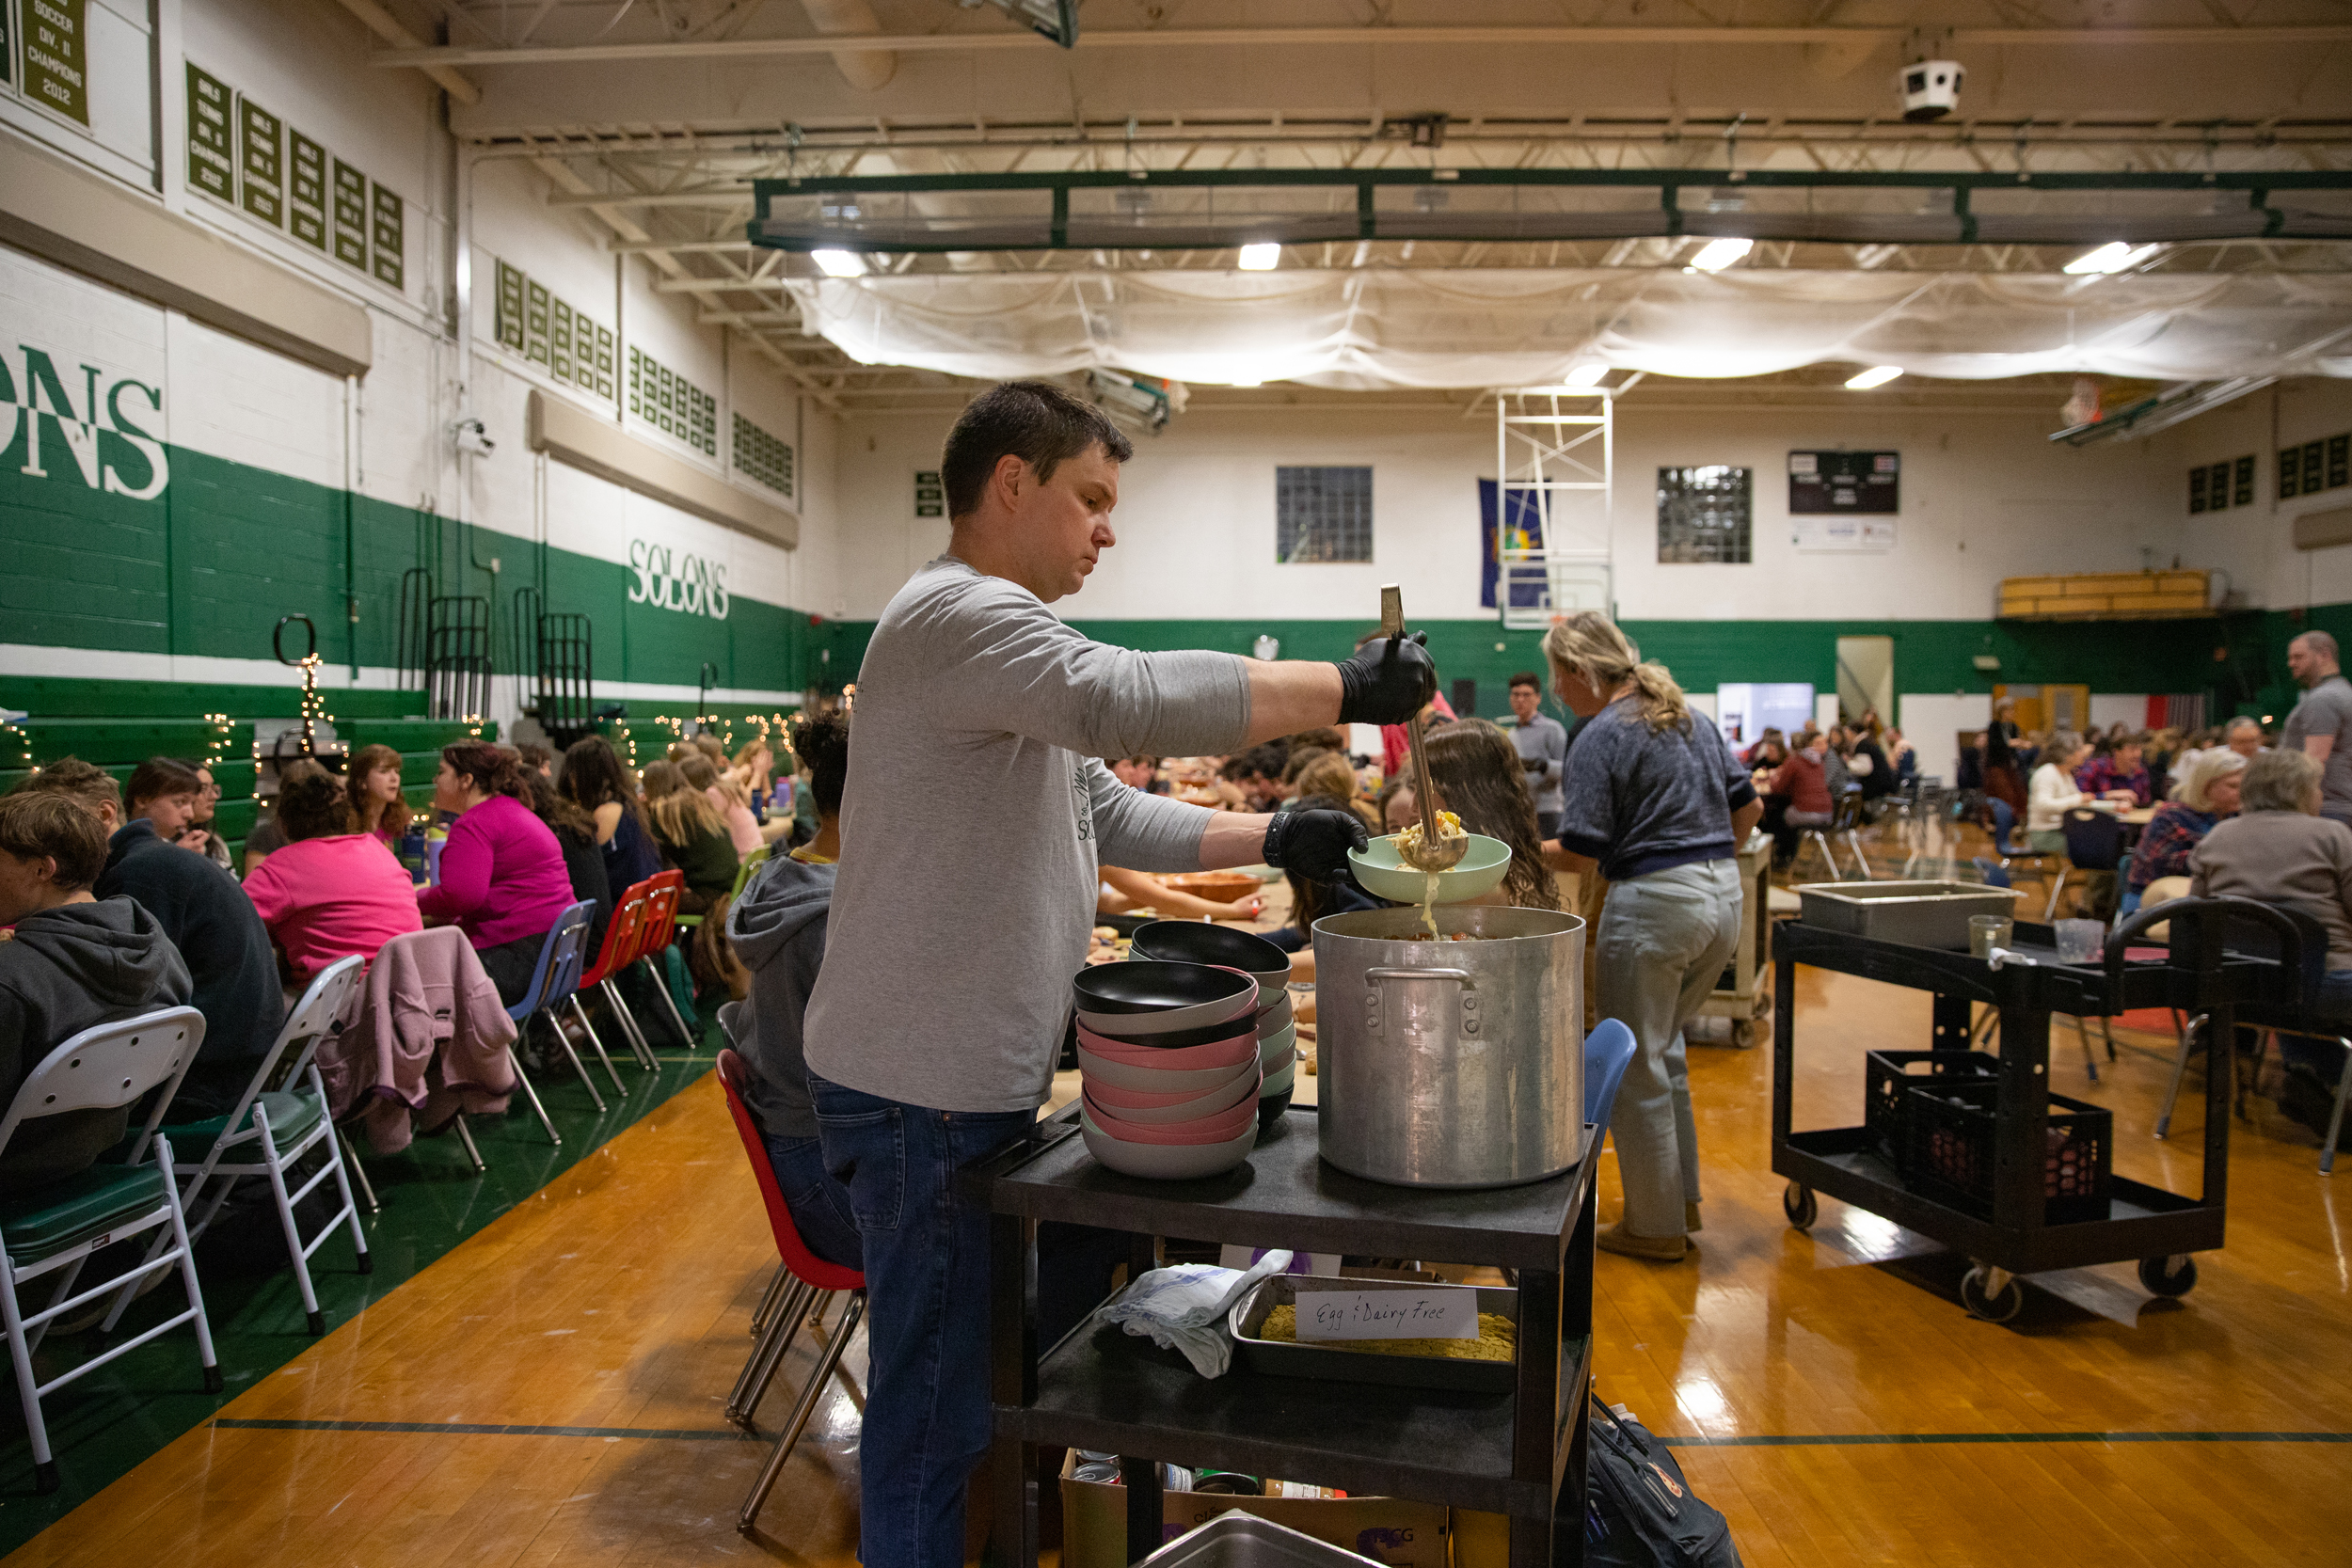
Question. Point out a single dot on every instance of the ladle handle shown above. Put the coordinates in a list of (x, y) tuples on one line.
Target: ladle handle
[(1425, 798), (1392, 611)]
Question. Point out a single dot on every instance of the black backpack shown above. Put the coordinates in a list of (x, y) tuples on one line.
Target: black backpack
[(1640, 1512)]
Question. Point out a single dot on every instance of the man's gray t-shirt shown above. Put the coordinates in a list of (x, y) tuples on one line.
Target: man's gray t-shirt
[(1543, 739), (2327, 710), (972, 826)]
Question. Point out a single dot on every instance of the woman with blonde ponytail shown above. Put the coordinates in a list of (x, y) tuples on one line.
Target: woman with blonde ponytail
[(1656, 800)]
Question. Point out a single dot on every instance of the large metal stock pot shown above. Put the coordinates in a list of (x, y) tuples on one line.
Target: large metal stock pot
[(1450, 1064)]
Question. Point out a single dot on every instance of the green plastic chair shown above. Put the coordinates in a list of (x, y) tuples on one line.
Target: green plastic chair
[(53, 1228), (752, 860)]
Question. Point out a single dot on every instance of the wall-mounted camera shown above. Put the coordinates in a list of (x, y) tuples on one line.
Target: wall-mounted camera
[(470, 438), (1929, 88)]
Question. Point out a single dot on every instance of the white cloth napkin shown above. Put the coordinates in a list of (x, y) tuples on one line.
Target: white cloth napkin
[(1184, 1308)]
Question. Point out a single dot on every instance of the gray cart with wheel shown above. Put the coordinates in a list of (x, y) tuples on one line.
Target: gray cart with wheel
[(2208, 968)]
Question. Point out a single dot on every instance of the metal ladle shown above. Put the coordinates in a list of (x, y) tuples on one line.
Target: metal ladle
[(1436, 853)]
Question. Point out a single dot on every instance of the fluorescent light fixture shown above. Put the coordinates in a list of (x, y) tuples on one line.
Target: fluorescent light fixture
[(2115, 255), (1263, 257), (838, 264), (1720, 254), (1877, 376), (1586, 375)]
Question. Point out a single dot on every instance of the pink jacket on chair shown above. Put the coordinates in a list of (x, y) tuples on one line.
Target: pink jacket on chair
[(424, 1037)]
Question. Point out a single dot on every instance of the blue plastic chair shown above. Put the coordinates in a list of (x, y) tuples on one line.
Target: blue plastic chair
[(1991, 873), (1608, 1052), (555, 982)]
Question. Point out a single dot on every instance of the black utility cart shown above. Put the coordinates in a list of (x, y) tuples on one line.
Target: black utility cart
[(1519, 1453), (2222, 952)]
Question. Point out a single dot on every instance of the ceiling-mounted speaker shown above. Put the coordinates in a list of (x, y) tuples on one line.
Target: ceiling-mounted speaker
[(1929, 88)]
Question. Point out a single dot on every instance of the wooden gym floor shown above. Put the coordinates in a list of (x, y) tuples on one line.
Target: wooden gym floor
[(549, 1390)]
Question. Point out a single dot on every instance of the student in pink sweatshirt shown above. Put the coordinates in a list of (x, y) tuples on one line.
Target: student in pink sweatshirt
[(331, 891), (503, 877)]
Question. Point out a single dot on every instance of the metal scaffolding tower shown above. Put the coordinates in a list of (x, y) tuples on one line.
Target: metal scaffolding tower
[(1555, 455)]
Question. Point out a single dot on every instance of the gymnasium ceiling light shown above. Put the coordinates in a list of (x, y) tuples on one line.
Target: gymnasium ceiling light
[(2115, 255), (838, 264), (1718, 254), (1263, 257), (1877, 376)]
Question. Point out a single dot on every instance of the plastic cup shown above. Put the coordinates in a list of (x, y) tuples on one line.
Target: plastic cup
[(1988, 931), (2079, 941)]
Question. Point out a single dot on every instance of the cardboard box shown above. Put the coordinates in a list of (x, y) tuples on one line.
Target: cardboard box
[(1386, 1530)]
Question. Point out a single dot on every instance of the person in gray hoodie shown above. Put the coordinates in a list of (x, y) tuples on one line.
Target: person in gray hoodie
[(778, 928), (75, 961)]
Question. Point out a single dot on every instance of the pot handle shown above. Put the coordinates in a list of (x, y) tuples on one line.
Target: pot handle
[(1468, 980)]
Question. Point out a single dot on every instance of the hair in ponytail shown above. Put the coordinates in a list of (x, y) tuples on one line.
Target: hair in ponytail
[(1588, 643), (822, 742), (492, 769)]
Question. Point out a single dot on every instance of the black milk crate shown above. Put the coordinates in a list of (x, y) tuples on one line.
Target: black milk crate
[(1893, 1074), (1950, 1132)]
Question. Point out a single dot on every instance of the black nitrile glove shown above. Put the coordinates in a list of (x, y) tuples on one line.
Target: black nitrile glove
[(1388, 681), (1315, 843)]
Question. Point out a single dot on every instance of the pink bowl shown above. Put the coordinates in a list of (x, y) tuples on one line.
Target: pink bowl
[(1117, 1102), (1231, 1052), (1220, 1128), (1118, 1097)]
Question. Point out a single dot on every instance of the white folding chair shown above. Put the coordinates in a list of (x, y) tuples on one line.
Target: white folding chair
[(270, 1129), (55, 1228)]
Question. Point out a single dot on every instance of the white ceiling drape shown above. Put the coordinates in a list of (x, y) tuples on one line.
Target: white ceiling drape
[(1369, 329)]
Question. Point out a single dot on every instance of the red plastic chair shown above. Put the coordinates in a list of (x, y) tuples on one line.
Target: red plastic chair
[(655, 935), (814, 1283), (623, 935)]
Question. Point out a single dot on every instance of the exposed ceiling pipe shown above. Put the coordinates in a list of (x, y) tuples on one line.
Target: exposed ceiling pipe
[(866, 69)]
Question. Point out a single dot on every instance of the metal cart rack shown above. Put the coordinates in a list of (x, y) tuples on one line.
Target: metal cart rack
[(2155, 1227), (1519, 1453), (1744, 994)]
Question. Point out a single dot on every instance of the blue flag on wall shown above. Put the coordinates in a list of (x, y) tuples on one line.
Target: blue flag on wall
[(1526, 526)]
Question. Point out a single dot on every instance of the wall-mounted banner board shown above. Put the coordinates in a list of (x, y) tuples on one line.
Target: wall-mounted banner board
[(1865, 481)]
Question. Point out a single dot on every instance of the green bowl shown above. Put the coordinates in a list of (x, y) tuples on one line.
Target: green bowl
[(1481, 870)]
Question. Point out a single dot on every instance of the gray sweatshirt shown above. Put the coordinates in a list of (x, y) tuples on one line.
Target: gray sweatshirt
[(973, 821)]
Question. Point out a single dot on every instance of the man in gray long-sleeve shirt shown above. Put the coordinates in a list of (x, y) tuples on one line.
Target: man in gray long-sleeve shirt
[(1543, 747), (976, 814)]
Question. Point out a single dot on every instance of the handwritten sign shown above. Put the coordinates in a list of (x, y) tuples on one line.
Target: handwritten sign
[(1437, 1314)]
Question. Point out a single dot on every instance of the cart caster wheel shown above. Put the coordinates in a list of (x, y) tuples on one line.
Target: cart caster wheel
[(1997, 1309), (1799, 1205), (2168, 1276), (1744, 1034)]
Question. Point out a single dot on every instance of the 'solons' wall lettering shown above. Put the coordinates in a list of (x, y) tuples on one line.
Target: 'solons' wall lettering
[(686, 583), (46, 432)]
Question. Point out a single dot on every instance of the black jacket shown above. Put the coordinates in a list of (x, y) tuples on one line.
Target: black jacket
[(778, 928), (67, 970), (220, 938)]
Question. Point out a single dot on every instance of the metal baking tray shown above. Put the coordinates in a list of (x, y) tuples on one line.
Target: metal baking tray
[(1244, 1540), (1287, 1359), (1917, 914)]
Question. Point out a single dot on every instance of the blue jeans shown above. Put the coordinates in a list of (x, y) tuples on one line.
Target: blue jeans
[(2004, 819), (927, 1421), (820, 1205)]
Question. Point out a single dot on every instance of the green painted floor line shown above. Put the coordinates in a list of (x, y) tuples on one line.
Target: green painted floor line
[(432, 1199), (1899, 1439), (470, 1428)]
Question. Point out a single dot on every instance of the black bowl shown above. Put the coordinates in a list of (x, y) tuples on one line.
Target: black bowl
[(1270, 1108), (1182, 1038), (1150, 987), (1197, 942)]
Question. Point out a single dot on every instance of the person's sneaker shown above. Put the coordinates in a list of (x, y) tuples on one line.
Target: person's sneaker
[(1657, 1250), (1691, 1221)]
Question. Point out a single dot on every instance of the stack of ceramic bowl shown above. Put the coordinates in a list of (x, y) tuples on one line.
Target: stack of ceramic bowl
[(1198, 942), (1168, 1054)]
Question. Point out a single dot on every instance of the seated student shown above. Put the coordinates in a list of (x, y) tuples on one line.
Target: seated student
[(1396, 806), (1866, 761), (168, 795), (1252, 781), (201, 834), (503, 878), (729, 798), (583, 862), (695, 840), (1476, 772), (1902, 754), (778, 928), (372, 788), (597, 780), (538, 759), (1326, 773), (76, 960), (2052, 792), (205, 914), (2208, 794), (1140, 772), (331, 892), (2280, 851), (1804, 782), (2117, 772)]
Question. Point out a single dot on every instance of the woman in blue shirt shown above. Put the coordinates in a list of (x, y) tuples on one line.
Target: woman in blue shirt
[(1656, 800)]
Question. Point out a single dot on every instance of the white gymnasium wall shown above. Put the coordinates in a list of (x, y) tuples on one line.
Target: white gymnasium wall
[(1984, 496), (2255, 544)]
